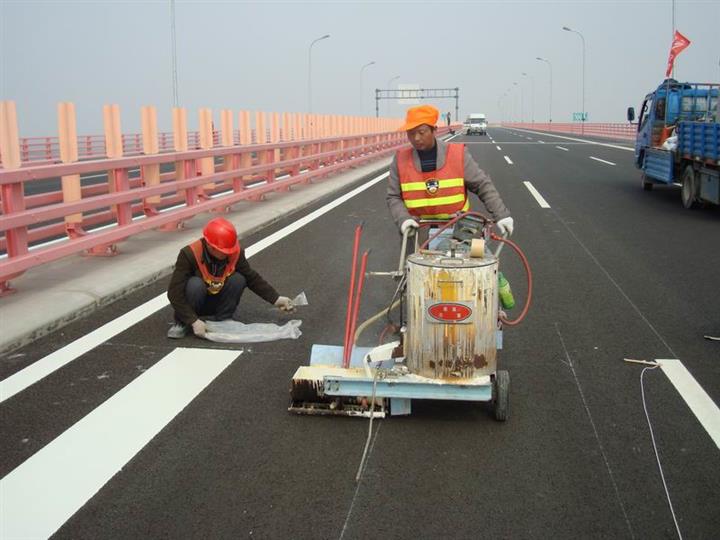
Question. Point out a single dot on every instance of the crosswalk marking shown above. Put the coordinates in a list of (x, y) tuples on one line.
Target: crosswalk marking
[(48, 488)]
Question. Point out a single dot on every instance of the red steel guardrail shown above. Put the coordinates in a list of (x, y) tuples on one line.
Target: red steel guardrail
[(246, 172), (612, 131)]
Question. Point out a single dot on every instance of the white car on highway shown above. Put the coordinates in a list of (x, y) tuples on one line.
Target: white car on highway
[(476, 124)]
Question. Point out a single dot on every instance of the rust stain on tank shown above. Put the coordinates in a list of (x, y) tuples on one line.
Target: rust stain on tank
[(479, 361)]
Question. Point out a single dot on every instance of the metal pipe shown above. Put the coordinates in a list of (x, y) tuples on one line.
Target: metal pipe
[(356, 306), (351, 289)]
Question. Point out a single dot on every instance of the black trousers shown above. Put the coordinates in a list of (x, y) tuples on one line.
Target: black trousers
[(215, 307)]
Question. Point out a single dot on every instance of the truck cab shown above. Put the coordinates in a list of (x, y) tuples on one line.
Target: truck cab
[(476, 124)]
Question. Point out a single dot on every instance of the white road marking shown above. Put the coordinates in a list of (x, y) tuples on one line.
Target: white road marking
[(535, 193), (508, 160), (496, 146), (48, 364), (583, 140), (49, 487), (702, 405), (562, 148), (541, 142), (601, 160)]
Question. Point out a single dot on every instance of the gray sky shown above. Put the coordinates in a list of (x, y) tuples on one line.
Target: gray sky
[(253, 55)]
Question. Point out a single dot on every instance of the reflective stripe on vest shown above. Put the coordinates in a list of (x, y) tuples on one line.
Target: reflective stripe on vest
[(214, 283), (436, 194)]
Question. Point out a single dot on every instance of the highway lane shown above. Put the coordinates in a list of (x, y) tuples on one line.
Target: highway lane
[(574, 459)]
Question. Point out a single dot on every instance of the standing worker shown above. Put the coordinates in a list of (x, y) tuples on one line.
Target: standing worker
[(209, 278), (431, 179)]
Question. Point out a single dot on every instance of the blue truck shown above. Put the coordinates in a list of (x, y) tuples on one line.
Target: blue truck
[(678, 140)]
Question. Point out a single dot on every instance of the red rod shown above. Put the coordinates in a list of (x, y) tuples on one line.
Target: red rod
[(351, 289), (356, 307)]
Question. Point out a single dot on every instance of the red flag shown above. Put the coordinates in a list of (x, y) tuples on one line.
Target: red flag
[(679, 44)]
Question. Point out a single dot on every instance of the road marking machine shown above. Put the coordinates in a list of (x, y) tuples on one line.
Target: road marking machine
[(450, 330)]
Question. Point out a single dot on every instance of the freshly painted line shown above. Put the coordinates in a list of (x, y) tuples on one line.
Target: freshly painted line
[(535, 193), (541, 142), (601, 160), (48, 364), (50, 486), (583, 140), (562, 148), (508, 160), (498, 148), (702, 405)]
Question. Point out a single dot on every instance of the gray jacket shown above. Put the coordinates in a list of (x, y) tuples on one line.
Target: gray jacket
[(476, 181)]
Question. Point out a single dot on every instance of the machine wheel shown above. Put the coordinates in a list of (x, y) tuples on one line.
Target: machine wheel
[(501, 391), (689, 188), (646, 185)]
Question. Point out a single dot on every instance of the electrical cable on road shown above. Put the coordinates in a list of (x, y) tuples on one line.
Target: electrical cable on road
[(657, 456)]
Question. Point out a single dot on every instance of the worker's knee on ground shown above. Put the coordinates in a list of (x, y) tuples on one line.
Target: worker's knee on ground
[(235, 283), (195, 292)]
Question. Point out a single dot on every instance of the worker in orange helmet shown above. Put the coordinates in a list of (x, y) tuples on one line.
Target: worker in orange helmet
[(431, 180), (209, 278)]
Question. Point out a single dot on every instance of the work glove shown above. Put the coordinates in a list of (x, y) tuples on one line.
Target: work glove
[(199, 328), (409, 224), (285, 304), (505, 225)]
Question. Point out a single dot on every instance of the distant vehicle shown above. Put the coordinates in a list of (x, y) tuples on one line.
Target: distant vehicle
[(476, 123), (678, 140)]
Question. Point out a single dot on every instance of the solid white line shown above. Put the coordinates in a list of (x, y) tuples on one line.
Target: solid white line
[(535, 193), (582, 140), (508, 160), (50, 486), (562, 148), (496, 146), (46, 365), (702, 405), (601, 160)]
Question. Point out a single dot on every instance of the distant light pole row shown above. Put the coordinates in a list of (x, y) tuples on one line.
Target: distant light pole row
[(567, 29), (362, 104)]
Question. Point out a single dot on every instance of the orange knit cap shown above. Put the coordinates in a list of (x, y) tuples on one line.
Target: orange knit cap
[(417, 116)]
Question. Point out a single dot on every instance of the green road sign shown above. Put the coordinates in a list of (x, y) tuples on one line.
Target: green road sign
[(580, 117)]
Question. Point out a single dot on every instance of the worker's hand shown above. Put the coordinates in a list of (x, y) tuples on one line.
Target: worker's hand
[(285, 304), (409, 224), (199, 328), (505, 226)]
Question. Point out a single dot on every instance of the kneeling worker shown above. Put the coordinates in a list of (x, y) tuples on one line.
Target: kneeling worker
[(209, 278), (431, 179)]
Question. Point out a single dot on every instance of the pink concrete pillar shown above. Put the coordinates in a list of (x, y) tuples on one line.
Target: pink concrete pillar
[(117, 178), (67, 138)]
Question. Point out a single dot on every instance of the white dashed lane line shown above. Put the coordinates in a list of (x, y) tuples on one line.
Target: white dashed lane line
[(498, 148), (601, 160), (535, 193), (508, 160), (562, 148)]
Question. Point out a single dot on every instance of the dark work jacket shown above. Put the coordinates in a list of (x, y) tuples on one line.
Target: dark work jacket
[(186, 267)]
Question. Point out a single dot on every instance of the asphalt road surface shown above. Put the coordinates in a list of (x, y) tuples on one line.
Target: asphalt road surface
[(618, 273)]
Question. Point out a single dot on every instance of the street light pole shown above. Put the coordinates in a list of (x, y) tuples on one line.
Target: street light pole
[(551, 85), (521, 101), (583, 74), (362, 106), (310, 69), (532, 96)]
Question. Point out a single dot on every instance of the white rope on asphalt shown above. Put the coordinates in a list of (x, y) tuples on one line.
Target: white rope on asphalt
[(369, 437), (657, 456)]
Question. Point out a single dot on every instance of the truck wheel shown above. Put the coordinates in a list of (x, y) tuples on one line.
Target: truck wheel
[(689, 188), (501, 398), (647, 185)]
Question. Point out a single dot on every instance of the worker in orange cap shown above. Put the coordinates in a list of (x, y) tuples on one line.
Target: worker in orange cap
[(209, 278), (431, 179)]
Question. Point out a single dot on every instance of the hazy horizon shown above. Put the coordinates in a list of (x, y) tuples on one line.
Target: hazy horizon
[(254, 56)]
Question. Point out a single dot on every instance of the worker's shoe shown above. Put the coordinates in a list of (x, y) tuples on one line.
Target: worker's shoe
[(178, 330)]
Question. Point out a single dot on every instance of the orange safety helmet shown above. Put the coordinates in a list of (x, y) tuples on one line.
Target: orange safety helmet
[(221, 234), (417, 116)]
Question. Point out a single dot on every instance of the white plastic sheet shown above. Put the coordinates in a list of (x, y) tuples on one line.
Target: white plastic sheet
[(236, 332)]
